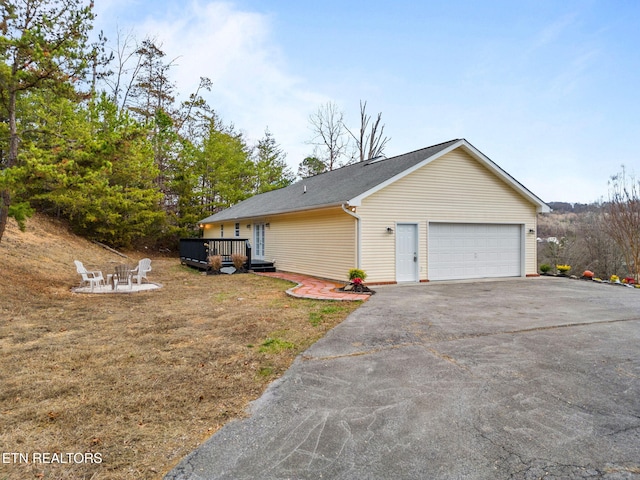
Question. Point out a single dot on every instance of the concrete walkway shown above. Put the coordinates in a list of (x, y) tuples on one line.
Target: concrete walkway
[(315, 288)]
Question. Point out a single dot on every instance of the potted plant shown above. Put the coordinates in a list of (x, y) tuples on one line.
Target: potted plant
[(356, 282), (357, 273)]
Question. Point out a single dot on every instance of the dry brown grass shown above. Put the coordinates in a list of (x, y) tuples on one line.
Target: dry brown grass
[(141, 379)]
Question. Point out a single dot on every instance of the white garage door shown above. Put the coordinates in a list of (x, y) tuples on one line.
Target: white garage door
[(467, 250)]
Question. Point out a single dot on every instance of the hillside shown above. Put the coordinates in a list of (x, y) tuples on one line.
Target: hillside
[(41, 260), (580, 238), (141, 378)]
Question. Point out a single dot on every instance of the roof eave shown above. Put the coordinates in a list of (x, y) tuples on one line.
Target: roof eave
[(276, 212)]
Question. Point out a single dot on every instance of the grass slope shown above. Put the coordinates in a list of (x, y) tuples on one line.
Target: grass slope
[(135, 380)]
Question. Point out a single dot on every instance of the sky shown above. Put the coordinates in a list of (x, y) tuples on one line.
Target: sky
[(547, 89)]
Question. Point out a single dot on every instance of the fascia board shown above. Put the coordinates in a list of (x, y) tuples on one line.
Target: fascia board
[(275, 212)]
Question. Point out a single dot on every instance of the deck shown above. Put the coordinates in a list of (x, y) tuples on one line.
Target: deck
[(195, 252)]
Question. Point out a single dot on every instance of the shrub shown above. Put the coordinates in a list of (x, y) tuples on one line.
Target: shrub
[(545, 268), (215, 262), (238, 260), (357, 273), (563, 268)]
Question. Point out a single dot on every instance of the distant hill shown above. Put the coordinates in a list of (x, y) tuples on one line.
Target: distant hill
[(564, 207)]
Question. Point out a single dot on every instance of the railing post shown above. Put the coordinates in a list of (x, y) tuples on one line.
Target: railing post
[(247, 250)]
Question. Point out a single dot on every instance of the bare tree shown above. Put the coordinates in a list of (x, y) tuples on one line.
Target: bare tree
[(369, 143), (330, 134), (127, 67), (623, 218), (601, 252)]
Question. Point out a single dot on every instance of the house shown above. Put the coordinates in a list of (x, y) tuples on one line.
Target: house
[(439, 213)]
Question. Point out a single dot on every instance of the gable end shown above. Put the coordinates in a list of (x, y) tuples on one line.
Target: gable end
[(541, 207)]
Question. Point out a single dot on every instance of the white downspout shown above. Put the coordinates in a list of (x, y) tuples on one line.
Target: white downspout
[(358, 234)]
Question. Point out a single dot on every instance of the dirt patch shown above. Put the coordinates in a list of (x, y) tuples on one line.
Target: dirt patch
[(138, 380)]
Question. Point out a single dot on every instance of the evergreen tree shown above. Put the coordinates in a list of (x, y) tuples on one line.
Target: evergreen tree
[(43, 45), (271, 169), (311, 166), (224, 169), (93, 166), (152, 101)]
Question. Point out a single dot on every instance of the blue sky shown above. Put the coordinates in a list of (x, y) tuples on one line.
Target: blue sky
[(547, 89)]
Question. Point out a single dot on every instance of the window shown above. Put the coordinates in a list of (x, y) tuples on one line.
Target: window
[(237, 229)]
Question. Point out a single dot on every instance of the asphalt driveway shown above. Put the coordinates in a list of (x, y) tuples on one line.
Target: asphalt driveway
[(521, 379)]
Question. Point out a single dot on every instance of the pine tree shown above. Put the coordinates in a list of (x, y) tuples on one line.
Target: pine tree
[(43, 46), (271, 169)]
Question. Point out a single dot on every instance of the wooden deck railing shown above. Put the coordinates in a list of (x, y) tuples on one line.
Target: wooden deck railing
[(196, 251)]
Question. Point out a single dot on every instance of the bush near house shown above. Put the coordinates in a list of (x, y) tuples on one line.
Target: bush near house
[(238, 260), (357, 273)]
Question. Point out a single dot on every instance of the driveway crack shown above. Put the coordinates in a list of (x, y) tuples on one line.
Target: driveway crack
[(361, 353), (428, 341)]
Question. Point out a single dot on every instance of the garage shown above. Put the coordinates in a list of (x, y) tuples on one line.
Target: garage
[(470, 250)]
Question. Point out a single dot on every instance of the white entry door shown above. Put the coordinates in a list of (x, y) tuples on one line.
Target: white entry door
[(406, 252), (258, 241)]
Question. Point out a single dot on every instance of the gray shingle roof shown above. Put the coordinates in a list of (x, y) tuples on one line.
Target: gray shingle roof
[(333, 188), (330, 188)]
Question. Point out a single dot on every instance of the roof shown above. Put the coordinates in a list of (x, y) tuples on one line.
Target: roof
[(351, 184)]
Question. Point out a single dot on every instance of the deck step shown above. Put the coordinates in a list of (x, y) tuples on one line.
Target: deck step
[(256, 266), (263, 267)]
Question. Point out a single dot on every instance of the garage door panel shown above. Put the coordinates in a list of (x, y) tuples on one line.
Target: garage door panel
[(458, 251)]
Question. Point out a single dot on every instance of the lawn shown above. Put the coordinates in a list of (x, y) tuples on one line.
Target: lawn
[(124, 386)]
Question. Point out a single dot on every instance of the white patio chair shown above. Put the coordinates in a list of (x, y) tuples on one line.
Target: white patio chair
[(92, 278), (122, 276), (141, 270)]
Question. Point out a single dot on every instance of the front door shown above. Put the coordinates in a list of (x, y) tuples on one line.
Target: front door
[(258, 241), (406, 252)]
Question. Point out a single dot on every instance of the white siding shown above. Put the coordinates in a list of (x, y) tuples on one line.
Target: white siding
[(319, 242), (453, 188)]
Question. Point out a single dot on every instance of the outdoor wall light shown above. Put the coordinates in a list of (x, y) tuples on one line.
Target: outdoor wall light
[(268, 225), (531, 230), (389, 230), (248, 226)]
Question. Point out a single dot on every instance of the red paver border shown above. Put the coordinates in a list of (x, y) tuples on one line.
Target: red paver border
[(315, 288)]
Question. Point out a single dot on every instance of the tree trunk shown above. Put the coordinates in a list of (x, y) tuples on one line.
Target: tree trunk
[(12, 160), (5, 200)]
